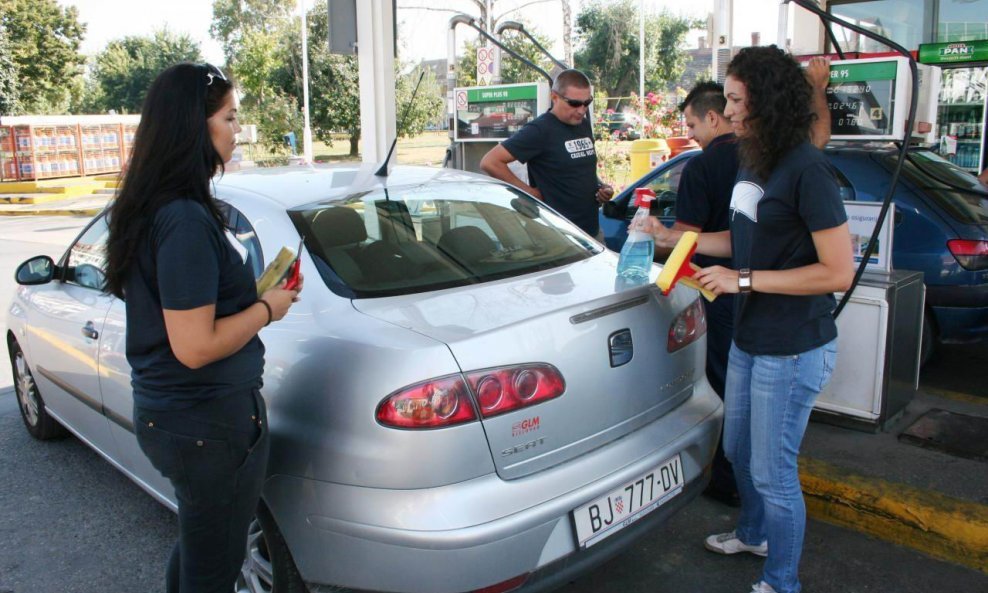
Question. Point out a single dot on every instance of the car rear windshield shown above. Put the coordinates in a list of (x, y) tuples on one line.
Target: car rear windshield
[(955, 190), (437, 235)]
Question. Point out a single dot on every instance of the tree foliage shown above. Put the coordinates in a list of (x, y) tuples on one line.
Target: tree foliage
[(125, 69), (43, 39), (9, 89), (610, 48)]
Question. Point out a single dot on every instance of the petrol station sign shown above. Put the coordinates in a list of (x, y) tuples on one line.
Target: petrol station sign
[(953, 52), (868, 99), (496, 112)]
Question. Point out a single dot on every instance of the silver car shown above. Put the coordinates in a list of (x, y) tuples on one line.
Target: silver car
[(464, 399)]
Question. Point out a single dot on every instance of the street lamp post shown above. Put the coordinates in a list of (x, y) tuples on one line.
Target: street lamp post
[(307, 129)]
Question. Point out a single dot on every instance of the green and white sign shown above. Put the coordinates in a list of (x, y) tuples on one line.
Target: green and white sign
[(493, 113), (953, 52)]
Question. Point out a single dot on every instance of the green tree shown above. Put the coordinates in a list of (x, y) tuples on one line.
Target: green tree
[(610, 47), (512, 69), (9, 91), (43, 39), (429, 105), (256, 39), (126, 68)]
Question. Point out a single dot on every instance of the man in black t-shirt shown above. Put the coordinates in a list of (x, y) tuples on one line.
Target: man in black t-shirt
[(702, 205), (558, 148)]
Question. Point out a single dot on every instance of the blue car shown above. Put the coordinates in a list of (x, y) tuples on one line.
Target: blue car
[(941, 228)]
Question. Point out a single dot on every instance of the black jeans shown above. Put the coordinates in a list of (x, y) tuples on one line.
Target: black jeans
[(720, 329), (215, 455)]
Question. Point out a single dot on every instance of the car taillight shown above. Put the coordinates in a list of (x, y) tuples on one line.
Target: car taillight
[(687, 327), (431, 404), (971, 255), (504, 389)]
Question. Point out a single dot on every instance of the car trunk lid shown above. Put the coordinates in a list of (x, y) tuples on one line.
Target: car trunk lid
[(608, 344)]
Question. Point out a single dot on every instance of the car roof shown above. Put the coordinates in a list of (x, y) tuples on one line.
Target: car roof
[(292, 186)]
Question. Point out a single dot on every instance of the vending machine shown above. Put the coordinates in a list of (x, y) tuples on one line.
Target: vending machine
[(962, 101)]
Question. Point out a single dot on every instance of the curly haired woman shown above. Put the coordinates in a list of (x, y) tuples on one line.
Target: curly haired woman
[(791, 250)]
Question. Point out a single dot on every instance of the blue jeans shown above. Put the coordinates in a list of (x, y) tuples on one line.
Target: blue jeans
[(768, 403), (215, 455)]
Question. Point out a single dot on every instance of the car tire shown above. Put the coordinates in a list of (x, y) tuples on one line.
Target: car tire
[(927, 347), (32, 406), (268, 566)]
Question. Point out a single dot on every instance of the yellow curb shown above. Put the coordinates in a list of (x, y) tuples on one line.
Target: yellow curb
[(955, 395), (80, 212), (940, 526), (30, 198)]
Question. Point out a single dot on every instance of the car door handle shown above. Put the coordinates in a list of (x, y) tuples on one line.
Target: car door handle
[(89, 330)]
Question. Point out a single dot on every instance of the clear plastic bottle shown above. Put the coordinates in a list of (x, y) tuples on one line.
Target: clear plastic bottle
[(635, 261)]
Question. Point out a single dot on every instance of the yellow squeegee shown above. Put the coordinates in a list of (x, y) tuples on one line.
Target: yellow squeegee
[(679, 268)]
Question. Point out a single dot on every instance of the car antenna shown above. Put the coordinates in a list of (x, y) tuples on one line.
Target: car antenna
[(383, 171)]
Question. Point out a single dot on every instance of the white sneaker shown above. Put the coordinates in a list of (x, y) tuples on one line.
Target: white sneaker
[(762, 587), (728, 543)]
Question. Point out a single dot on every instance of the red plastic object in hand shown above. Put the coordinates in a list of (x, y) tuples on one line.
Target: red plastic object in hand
[(292, 279)]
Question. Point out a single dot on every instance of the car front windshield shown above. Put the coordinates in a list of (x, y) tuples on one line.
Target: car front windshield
[(433, 236), (955, 190)]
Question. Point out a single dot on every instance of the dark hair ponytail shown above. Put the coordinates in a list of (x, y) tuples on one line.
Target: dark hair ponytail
[(173, 158)]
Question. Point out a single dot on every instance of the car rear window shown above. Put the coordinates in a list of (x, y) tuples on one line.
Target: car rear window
[(437, 235), (955, 190)]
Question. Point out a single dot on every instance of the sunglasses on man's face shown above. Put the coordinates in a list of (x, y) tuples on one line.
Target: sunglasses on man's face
[(574, 103)]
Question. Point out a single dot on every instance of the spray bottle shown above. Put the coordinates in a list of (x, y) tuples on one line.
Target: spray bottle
[(635, 261)]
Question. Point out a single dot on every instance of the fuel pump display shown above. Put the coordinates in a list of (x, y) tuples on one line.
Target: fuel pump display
[(861, 98)]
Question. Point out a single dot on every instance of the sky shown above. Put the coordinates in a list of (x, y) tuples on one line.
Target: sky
[(422, 33)]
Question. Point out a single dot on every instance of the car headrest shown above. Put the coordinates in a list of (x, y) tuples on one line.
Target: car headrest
[(339, 225), (466, 244)]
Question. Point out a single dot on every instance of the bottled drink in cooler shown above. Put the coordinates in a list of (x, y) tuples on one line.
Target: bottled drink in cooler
[(635, 261)]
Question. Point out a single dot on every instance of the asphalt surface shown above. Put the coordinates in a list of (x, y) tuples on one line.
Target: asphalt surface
[(71, 523)]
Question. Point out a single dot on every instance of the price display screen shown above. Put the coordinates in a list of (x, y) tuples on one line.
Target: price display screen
[(862, 99)]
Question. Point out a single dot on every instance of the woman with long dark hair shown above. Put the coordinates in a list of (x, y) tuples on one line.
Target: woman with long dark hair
[(193, 316), (791, 250)]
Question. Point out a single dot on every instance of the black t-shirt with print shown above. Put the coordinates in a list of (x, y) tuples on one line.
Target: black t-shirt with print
[(562, 164), (771, 225), (187, 261)]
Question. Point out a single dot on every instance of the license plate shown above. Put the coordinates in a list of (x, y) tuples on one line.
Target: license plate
[(623, 506)]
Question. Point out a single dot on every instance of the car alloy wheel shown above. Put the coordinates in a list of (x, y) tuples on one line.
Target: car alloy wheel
[(32, 406), (26, 390), (256, 575)]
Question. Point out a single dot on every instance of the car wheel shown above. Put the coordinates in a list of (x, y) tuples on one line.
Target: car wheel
[(268, 566), (32, 406), (928, 345)]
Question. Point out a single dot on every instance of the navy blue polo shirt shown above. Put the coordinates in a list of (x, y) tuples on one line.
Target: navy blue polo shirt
[(187, 261), (704, 195)]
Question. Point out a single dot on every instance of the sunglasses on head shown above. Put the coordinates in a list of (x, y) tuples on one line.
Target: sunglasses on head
[(574, 103), (213, 72)]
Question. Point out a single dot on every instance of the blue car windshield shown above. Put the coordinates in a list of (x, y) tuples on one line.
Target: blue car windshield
[(436, 235), (955, 190)]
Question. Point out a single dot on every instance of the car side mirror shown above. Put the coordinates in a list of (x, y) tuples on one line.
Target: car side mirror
[(37, 270)]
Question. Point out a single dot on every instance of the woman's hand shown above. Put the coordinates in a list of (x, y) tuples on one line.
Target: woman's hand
[(718, 279), (280, 299)]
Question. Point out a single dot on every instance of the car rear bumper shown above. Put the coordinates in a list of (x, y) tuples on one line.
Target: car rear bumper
[(392, 542), (961, 312)]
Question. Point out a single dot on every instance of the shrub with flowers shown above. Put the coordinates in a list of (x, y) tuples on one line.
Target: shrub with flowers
[(660, 114)]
